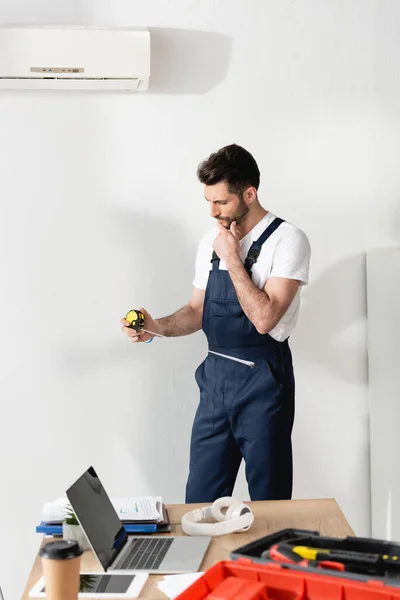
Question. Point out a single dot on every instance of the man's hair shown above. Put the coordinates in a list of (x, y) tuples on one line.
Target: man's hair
[(232, 164)]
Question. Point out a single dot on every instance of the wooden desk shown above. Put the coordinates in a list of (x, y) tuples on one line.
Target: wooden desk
[(320, 515)]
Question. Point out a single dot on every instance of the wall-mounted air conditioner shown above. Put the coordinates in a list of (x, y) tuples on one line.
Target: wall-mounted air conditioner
[(74, 58)]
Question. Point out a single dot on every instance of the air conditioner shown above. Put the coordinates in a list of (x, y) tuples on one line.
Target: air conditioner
[(74, 58)]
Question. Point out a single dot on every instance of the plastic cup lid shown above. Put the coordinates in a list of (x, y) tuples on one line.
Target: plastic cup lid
[(61, 550)]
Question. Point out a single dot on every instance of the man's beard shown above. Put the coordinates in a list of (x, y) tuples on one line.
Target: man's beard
[(238, 217)]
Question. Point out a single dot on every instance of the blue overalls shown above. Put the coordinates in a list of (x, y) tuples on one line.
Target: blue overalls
[(243, 411)]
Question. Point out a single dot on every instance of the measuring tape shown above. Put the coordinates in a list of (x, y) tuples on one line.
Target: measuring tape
[(135, 319)]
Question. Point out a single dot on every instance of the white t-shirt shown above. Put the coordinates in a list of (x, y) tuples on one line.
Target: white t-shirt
[(286, 253)]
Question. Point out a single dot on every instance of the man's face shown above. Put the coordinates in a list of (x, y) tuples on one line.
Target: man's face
[(224, 206)]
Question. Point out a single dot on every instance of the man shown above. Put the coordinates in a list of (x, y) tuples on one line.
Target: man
[(246, 297)]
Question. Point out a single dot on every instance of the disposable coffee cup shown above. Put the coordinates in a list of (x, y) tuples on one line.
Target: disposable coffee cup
[(61, 563)]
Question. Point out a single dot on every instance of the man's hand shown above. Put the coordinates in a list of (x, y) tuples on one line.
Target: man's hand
[(141, 336), (226, 244)]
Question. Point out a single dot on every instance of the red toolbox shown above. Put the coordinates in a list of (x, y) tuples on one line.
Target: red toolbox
[(253, 575)]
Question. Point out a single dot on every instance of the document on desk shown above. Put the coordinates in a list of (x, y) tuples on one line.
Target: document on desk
[(56, 511), (143, 508), (173, 585)]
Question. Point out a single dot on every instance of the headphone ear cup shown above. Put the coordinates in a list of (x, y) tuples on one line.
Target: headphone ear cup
[(239, 510), (232, 511), (224, 502)]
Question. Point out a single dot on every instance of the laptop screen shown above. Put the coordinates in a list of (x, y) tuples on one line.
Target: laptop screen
[(96, 514)]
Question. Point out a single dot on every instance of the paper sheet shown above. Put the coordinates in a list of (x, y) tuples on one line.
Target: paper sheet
[(144, 508), (173, 585)]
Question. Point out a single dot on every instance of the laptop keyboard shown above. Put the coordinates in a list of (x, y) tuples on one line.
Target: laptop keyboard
[(146, 553)]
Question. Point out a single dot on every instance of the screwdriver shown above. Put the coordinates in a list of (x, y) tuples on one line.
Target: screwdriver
[(343, 560), (347, 556)]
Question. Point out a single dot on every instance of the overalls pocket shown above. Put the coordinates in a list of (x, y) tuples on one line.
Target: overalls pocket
[(228, 323)]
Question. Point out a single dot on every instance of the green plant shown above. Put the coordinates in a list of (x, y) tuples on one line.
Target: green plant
[(70, 518), (87, 583)]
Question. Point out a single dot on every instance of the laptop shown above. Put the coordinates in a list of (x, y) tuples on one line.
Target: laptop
[(110, 543)]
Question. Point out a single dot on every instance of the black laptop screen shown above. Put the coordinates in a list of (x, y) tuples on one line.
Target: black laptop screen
[(96, 514)]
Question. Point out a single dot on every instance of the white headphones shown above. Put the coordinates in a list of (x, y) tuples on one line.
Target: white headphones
[(238, 517)]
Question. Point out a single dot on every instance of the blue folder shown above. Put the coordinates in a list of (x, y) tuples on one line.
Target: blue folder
[(129, 528)]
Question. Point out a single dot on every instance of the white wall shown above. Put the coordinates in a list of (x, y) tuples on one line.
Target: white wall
[(101, 212), (384, 382)]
